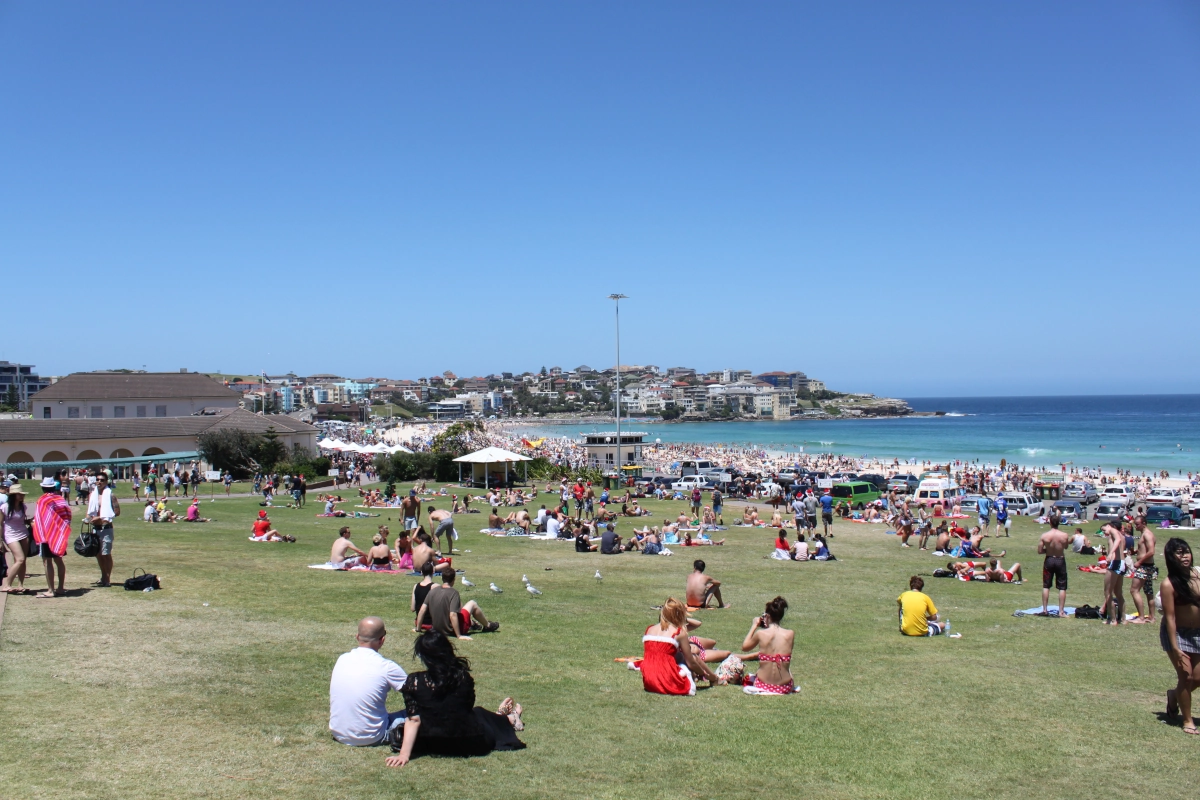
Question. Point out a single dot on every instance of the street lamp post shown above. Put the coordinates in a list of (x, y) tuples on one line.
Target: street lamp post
[(617, 298)]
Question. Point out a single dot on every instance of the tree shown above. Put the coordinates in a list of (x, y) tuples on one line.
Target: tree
[(270, 450), (543, 372), (12, 399), (230, 449), (671, 412)]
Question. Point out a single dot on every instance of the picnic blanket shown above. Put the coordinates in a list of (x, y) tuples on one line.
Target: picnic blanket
[(1036, 611)]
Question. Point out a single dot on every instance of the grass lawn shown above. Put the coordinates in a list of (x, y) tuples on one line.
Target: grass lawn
[(217, 686)]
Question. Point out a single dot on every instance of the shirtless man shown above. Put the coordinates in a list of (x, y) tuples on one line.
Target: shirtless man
[(422, 550), (996, 573), (976, 543), (942, 544), (410, 509), (701, 587), (337, 555), (589, 502), (494, 521), (1114, 578), (443, 523), (1053, 545), (1144, 571)]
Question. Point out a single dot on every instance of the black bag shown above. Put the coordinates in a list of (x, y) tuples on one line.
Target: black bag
[(88, 543), (139, 583), (1087, 612)]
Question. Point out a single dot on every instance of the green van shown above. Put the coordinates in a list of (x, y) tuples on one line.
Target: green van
[(857, 493)]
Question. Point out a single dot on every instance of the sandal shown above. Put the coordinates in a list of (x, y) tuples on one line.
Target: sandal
[(506, 707), (46, 595), (519, 724)]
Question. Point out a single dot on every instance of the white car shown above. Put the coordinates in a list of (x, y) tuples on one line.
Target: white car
[(1165, 497), (1023, 504), (689, 482), (1194, 503), (1124, 494)]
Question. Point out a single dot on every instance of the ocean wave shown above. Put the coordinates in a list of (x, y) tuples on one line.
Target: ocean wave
[(1036, 451), (956, 414)]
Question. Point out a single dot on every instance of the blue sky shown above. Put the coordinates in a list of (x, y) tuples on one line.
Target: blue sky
[(929, 199)]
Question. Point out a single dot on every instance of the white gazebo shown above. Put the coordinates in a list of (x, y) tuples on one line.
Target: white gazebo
[(481, 459)]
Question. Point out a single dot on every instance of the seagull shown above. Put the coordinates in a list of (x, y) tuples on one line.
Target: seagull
[(599, 577), (525, 579), (495, 588), (467, 582), (529, 588)]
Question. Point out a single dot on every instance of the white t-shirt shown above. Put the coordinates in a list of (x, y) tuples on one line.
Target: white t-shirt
[(358, 691), (541, 516), (553, 527)]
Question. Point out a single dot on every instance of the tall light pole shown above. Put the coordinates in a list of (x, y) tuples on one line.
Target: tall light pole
[(617, 298)]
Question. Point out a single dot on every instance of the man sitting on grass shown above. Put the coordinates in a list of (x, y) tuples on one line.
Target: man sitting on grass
[(918, 615), (700, 588), (443, 609), (358, 690), (337, 555)]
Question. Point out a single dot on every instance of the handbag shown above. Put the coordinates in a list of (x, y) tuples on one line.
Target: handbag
[(140, 583), (88, 543)]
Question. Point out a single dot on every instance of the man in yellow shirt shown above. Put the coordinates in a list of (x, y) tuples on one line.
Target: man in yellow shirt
[(918, 615)]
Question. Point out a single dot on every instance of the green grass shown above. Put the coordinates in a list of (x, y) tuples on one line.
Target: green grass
[(116, 694)]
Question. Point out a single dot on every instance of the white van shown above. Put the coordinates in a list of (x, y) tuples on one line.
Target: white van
[(700, 467), (939, 491), (1023, 504)]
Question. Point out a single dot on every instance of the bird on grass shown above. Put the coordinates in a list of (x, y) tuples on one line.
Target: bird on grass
[(525, 579), (467, 582), (529, 588), (599, 577), (495, 588)]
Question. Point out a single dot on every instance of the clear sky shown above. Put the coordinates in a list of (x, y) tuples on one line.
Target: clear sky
[(911, 199)]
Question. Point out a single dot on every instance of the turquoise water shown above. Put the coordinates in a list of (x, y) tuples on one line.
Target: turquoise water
[(1140, 432)]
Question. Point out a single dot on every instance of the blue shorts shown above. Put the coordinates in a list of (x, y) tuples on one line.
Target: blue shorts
[(985, 520)]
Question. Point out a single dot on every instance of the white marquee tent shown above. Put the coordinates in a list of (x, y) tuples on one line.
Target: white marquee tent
[(481, 459)]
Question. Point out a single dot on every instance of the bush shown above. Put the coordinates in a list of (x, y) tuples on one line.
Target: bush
[(408, 467), (302, 462)]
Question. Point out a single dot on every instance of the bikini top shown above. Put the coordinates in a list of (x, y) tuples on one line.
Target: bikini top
[(379, 561), (775, 659)]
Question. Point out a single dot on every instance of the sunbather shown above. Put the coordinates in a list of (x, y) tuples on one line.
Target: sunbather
[(341, 547), (996, 573)]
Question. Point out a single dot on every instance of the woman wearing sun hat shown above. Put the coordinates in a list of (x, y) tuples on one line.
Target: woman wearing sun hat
[(16, 539)]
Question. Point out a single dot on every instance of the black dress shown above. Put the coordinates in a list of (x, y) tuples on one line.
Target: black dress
[(451, 723)]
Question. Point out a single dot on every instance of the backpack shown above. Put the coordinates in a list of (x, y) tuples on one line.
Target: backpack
[(88, 543), (139, 583), (1087, 612)]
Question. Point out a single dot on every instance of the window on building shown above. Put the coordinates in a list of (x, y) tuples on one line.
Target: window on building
[(608, 457), (46, 412), (141, 411), (72, 412), (160, 411), (97, 412), (118, 411)]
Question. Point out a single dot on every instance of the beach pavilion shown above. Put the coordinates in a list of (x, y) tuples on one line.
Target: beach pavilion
[(481, 460)]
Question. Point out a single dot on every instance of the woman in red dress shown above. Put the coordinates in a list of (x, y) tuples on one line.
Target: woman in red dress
[(669, 664)]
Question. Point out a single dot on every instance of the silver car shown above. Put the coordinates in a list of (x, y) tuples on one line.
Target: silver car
[(1081, 491)]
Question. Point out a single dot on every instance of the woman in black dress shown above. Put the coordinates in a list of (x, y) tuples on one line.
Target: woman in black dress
[(442, 716)]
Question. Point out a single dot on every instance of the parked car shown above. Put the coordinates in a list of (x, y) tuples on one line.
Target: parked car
[(939, 491), (857, 493), (695, 467), (1121, 493), (1110, 509), (689, 482), (788, 474), (878, 481), (904, 483), (1082, 491), (1194, 503), (844, 476), (1165, 497), (969, 504), (1156, 515), (1023, 504), (1069, 510)]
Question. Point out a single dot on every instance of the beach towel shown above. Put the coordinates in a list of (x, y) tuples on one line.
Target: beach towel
[(326, 565), (52, 523), (1096, 568), (1037, 611)]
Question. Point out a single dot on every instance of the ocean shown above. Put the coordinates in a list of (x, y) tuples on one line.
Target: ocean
[(1137, 432)]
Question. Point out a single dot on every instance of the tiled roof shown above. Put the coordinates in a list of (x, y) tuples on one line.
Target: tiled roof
[(13, 430), (132, 385)]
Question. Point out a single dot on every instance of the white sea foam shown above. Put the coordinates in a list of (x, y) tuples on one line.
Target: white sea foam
[(1035, 451)]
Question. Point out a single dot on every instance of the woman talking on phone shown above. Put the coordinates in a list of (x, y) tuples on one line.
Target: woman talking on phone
[(775, 652)]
